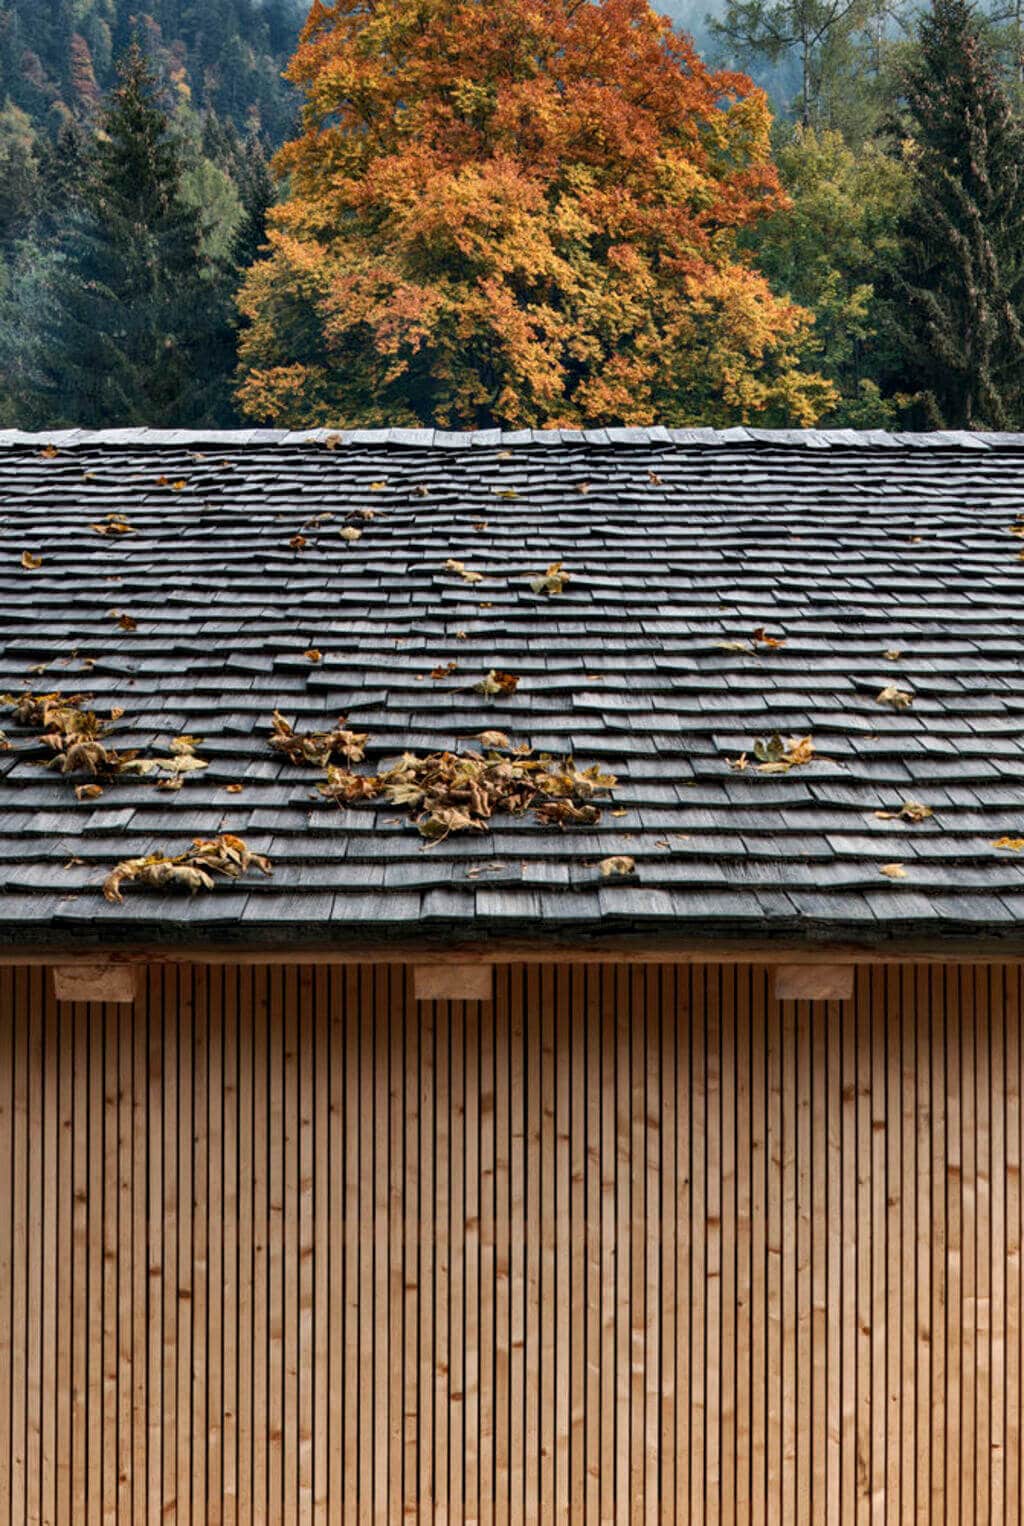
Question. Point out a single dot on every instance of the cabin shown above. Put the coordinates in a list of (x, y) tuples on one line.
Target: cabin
[(511, 976)]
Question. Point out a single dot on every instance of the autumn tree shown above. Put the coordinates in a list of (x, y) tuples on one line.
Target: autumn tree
[(521, 214)]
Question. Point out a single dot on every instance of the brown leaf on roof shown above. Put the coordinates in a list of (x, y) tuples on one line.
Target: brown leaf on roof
[(497, 683), (911, 810), (193, 870), (619, 864), (461, 570), (30, 562), (776, 756), (898, 698), (318, 747), (551, 582)]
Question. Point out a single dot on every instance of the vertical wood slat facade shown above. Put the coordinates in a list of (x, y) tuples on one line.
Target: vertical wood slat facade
[(624, 1244)]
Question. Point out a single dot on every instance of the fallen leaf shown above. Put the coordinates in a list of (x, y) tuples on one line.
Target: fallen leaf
[(553, 581), (462, 571), (49, 452), (378, 487), (297, 542), (898, 698), (174, 783), (494, 739), (777, 757), (443, 670), (911, 810), (893, 871), (497, 683), (461, 636), (234, 789), (312, 655), (30, 562), (350, 533), (761, 638), (506, 492), (367, 513), (618, 864), (318, 747), (185, 744), (192, 870), (127, 623), (1010, 844), (179, 486), (740, 764), (565, 813), (480, 524), (653, 477), (583, 487), (88, 791), (114, 527), (893, 654), (422, 490)]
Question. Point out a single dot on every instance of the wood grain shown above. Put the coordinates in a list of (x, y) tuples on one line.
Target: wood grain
[(622, 1243)]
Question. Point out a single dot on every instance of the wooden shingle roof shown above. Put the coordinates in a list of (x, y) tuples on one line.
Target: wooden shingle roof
[(880, 560)]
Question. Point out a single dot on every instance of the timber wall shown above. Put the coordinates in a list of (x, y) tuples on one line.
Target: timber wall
[(625, 1244)]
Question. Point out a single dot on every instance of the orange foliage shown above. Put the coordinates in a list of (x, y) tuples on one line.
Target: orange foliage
[(521, 213)]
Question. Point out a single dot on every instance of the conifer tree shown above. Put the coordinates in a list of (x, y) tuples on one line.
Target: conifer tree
[(142, 334), (256, 188), (958, 297)]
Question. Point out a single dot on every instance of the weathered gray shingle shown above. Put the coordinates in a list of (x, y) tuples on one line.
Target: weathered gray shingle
[(879, 559)]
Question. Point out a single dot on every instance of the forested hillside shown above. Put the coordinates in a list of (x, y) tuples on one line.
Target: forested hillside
[(57, 56), (488, 213)]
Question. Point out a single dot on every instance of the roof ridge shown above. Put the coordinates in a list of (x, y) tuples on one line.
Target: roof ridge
[(813, 439)]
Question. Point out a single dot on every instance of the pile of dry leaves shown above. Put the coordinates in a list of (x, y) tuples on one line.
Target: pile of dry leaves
[(77, 739), (448, 792), (192, 870), (318, 747)]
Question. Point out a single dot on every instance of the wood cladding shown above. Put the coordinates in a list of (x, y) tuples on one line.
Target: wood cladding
[(622, 1244)]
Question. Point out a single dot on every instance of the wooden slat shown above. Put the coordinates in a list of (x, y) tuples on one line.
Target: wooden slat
[(317, 1164), (8, 1023), (231, 1248), (628, 1243)]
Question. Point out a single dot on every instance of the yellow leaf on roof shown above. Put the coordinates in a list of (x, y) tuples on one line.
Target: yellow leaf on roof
[(30, 562), (893, 871), (898, 698), (619, 864), (1010, 844)]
